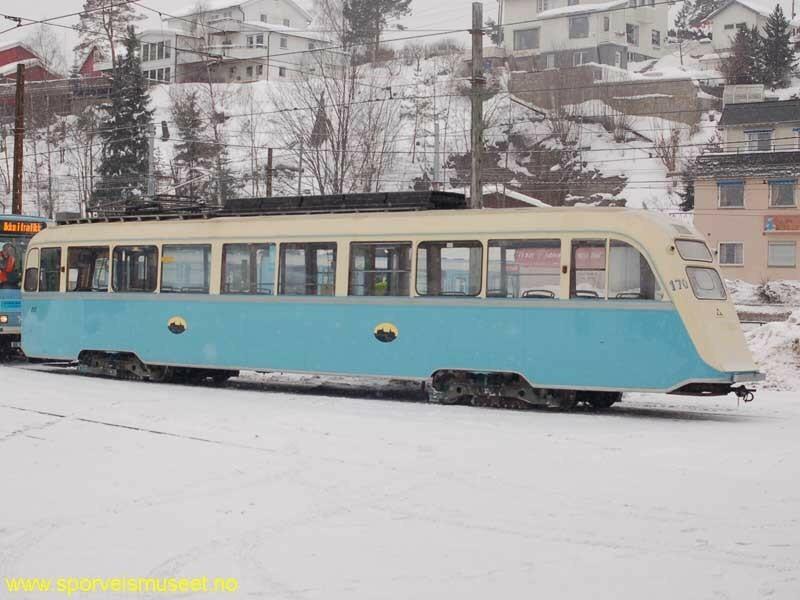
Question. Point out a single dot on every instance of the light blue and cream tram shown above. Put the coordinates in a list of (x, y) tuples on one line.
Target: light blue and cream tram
[(548, 306)]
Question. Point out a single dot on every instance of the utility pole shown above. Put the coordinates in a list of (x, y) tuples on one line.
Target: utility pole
[(437, 159), (151, 166), (269, 173), (300, 173), (478, 83), (19, 135)]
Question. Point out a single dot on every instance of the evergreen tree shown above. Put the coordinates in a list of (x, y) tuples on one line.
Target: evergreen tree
[(224, 184), (743, 64), (365, 20), (194, 154), (102, 24), (777, 52), (124, 158), (495, 32), (682, 19)]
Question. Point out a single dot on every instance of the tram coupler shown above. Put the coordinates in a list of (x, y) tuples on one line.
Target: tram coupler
[(744, 393)]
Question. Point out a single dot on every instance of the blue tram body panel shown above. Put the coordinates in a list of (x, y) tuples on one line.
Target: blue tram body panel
[(625, 345)]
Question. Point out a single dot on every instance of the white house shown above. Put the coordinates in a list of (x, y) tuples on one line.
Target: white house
[(545, 34), (731, 17), (232, 41)]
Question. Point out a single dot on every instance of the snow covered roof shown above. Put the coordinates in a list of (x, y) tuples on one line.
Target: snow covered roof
[(749, 4), (11, 68), (10, 45), (509, 192), (212, 5), (580, 9), (756, 113), (748, 164)]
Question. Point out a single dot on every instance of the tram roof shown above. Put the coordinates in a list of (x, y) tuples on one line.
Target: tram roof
[(635, 223)]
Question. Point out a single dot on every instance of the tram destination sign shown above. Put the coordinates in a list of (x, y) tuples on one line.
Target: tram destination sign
[(21, 227)]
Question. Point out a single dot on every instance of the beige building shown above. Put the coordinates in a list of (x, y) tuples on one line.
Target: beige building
[(746, 198)]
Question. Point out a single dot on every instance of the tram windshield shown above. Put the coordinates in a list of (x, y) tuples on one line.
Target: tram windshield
[(12, 255)]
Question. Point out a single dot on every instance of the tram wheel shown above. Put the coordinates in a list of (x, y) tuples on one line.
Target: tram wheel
[(602, 400)]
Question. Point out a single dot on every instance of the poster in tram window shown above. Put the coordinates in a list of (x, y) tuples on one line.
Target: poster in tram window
[(590, 258), (540, 258)]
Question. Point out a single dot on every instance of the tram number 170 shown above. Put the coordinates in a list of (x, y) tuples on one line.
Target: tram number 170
[(678, 285)]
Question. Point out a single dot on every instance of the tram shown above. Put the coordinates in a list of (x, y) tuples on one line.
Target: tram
[(549, 307), (15, 233)]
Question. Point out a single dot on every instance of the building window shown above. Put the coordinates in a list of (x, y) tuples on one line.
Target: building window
[(618, 59), (260, 70), (728, 26), (550, 61), (167, 50), (579, 58), (308, 269), (632, 34), (579, 27), (606, 23), (186, 269), (249, 41), (287, 23), (160, 75), (655, 38), (782, 193), (526, 39), (759, 140), (263, 18), (380, 269), (572, 2), (731, 194), (260, 40), (542, 5), (284, 42), (449, 268), (167, 74), (135, 269), (731, 254), (782, 254), (145, 52), (160, 50), (524, 268), (281, 71), (232, 70), (249, 71)]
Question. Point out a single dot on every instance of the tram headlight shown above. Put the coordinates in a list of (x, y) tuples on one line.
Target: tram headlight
[(3, 319)]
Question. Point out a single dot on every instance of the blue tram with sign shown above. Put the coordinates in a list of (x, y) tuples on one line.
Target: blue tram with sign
[(15, 233)]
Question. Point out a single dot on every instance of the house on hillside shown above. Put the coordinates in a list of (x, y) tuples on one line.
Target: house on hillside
[(549, 34), (729, 18), (17, 53), (232, 41), (746, 197)]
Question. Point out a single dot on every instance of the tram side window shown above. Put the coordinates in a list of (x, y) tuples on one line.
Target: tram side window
[(135, 269), (87, 269), (31, 283), (248, 269), (185, 269), (449, 268), (380, 269), (50, 270), (629, 274), (524, 268), (588, 274), (308, 269)]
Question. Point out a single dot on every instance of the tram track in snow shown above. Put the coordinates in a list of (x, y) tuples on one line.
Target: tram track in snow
[(408, 392)]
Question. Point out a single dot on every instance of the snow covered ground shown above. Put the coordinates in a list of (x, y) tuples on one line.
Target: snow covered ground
[(307, 496)]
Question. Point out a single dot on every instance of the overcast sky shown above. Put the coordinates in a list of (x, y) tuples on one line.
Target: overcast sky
[(427, 14)]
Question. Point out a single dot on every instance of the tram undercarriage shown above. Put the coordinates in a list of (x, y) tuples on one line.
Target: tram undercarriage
[(509, 390)]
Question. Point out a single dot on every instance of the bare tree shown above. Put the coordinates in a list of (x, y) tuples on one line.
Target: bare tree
[(45, 43)]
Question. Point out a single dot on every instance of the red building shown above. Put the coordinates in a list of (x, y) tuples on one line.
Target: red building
[(15, 53)]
